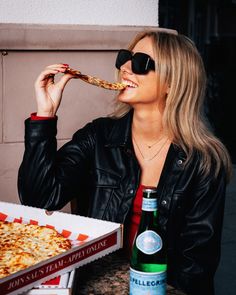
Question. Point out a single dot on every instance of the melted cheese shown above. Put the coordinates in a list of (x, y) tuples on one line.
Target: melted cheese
[(23, 245)]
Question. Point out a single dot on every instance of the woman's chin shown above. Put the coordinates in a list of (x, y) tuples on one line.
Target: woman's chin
[(126, 97)]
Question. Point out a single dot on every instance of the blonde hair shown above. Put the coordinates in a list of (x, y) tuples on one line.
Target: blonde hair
[(180, 66)]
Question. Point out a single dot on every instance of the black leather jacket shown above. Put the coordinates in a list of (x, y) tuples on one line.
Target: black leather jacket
[(98, 167)]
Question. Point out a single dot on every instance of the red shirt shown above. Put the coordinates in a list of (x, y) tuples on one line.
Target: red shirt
[(136, 212)]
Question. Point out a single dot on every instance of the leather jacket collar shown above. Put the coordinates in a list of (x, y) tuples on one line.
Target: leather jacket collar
[(121, 132)]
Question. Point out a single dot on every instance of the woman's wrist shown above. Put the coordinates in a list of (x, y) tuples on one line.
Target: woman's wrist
[(45, 114)]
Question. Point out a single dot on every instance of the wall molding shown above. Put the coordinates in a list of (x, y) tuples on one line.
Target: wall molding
[(68, 37)]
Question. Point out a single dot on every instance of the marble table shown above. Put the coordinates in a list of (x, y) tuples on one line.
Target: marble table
[(108, 275)]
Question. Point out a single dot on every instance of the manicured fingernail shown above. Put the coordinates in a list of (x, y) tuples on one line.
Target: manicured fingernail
[(66, 65)]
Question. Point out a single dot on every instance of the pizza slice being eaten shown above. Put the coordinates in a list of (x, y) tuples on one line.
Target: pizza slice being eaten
[(97, 81)]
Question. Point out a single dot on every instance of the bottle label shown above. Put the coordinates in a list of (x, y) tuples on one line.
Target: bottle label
[(147, 283), (149, 242), (149, 204)]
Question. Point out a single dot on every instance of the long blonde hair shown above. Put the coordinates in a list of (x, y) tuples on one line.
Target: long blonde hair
[(180, 66)]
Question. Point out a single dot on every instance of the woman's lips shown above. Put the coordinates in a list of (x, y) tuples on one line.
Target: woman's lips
[(129, 83)]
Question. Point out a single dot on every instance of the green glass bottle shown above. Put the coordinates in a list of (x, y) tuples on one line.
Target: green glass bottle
[(148, 263)]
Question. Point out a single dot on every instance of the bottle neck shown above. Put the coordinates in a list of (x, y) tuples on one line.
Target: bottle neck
[(149, 212)]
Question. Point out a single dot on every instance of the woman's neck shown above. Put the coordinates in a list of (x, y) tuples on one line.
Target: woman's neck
[(147, 125)]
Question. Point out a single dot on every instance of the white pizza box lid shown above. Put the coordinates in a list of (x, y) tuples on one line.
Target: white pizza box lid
[(62, 285), (104, 237)]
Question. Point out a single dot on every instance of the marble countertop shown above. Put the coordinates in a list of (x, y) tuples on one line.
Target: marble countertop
[(108, 275)]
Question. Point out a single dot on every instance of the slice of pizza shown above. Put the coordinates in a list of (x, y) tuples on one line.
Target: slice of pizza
[(96, 81)]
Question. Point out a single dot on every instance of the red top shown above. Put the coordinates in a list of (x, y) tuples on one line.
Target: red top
[(136, 209), (34, 117), (136, 212)]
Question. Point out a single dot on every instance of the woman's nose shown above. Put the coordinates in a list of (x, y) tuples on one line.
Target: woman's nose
[(126, 67)]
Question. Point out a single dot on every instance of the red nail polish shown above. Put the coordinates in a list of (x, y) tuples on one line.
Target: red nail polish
[(66, 65)]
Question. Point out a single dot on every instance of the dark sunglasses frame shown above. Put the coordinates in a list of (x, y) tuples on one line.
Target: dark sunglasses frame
[(141, 63)]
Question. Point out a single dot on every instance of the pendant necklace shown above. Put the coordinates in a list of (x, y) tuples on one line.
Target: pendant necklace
[(154, 156), (156, 142)]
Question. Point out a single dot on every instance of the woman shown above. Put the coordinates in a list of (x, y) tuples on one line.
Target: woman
[(156, 137)]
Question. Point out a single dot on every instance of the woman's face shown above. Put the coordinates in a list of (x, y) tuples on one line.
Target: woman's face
[(145, 90)]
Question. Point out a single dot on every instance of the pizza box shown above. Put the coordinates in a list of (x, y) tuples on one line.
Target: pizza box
[(61, 285), (91, 239)]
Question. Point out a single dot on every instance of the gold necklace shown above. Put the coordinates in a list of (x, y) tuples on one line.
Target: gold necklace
[(156, 142), (154, 156)]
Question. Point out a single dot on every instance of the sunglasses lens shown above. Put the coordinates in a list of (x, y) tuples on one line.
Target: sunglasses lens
[(142, 63), (122, 57), (139, 63)]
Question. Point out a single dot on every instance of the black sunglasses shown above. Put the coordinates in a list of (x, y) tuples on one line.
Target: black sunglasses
[(141, 63)]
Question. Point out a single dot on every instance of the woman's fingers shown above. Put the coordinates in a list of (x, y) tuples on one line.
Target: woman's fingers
[(48, 92), (45, 75), (63, 81), (56, 66), (52, 70)]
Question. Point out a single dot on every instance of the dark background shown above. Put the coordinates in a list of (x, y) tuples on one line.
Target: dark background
[(211, 24)]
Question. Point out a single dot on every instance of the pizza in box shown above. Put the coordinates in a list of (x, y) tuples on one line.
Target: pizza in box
[(24, 243)]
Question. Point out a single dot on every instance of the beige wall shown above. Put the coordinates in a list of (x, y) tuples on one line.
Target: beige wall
[(26, 50), (97, 12)]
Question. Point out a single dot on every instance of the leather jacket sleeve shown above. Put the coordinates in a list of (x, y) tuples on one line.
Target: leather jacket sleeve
[(47, 178), (200, 238)]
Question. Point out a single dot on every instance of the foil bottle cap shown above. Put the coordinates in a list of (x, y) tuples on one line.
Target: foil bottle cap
[(150, 193)]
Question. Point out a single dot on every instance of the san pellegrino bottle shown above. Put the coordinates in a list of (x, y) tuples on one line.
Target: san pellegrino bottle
[(148, 263)]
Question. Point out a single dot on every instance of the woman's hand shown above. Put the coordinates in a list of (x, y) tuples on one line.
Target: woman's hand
[(48, 93)]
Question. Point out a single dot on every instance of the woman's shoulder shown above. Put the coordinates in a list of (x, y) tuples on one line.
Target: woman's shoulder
[(111, 120), (203, 165), (211, 167), (104, 127), (104, 121), (111, 123)]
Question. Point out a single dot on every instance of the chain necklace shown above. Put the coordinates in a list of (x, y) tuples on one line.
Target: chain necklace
[(154, 156), (156, 142)]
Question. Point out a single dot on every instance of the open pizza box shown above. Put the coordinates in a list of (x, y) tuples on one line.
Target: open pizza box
[(91, 239)]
